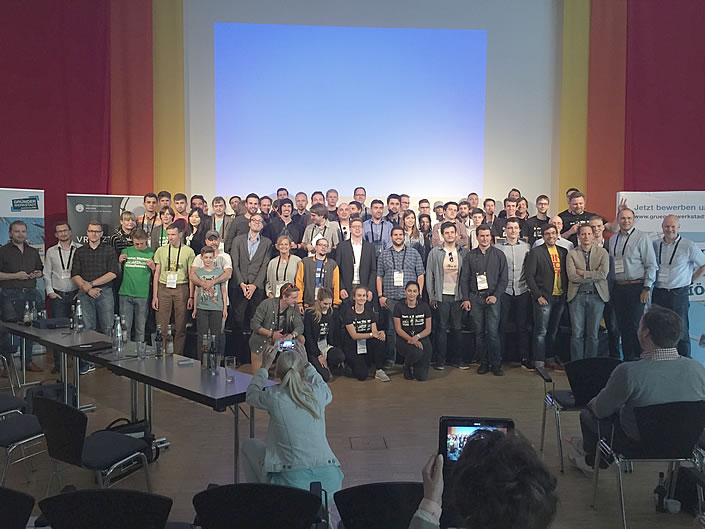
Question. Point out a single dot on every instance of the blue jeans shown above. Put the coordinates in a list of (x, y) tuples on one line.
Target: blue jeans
[(61, 308), (677, 300), (546, 321), (390, 352), (585, 315), (134, 309), (13, 301), (98, 313), (448, 319), (485, 321)]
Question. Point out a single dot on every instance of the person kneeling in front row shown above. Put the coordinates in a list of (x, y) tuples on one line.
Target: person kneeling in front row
[(363, 344), (499, 482), (296, 451), (412, 321), (318, 331)]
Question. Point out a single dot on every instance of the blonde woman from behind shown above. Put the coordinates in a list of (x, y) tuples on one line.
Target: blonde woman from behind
[(296, 451)]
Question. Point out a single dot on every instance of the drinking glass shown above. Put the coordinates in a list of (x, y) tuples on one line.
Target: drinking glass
[(229, 368), (141, 350)]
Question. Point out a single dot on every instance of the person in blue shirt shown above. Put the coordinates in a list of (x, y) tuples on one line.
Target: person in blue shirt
[(377, 230)]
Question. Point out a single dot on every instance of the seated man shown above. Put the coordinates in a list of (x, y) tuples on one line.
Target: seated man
[(660, 376)]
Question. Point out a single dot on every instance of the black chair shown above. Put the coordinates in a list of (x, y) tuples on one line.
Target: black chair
[(586, 377), (668, 433), (18, 430), (389, 505), (11, 403), (16, 508), (107, 509), (103, 452), (256, 506)]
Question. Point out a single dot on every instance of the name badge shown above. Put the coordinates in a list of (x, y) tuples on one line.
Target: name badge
[(482, 283), (362, 347), (398, 278), (315, 292), (65, 274), (664, 274), (618, 265), (278, 289), (171, 279)]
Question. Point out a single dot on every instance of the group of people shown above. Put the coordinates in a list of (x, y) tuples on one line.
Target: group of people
[(364, 287)]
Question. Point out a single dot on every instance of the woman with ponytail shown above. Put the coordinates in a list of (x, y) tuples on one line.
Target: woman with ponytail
[(319, 333), (296, 451)]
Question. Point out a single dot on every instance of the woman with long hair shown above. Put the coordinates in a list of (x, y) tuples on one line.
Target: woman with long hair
[(413, 238), (319, 333), (425, 229), (296, 451), (195, 234), (412, 321), (363, 344)]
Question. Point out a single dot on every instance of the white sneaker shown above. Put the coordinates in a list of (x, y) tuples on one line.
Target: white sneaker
[(381, 375), (576, 455)]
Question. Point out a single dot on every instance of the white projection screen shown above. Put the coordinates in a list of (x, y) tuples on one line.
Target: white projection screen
[(430, 98)]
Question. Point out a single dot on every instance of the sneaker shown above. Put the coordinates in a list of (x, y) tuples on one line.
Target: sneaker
[(439, 367), (463, 365), (498, 372), (484, 368), (576, 455), (388, 364), (408, 373), (381, 375), (86, 368)]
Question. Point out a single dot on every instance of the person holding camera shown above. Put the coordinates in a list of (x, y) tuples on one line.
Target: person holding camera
[(276, 320), (498, 481), (296, 451)]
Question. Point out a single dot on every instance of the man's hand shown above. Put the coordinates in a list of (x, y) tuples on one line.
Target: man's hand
[(573, 229), (581, 273), (94, 292), (36, 274), (250, 291), (369, 295), (22, 275), (277, 336), (433, 303), (380, 336), (225, 311), (122, 258), (343, 294), (383, 302), (189, 303), (466, 305), (322, 361), (432, 475), (155, 303), (243, 287), (542, 301), (622, 205), (54, 295), (150, 264), (644, 296), (491, 300)]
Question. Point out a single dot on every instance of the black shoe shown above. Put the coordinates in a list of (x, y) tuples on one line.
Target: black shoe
[(527, 364), (498, 372), (483, 369), (408, 373)]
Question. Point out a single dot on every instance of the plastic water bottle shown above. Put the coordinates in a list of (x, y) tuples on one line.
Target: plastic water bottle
[(27, 316), (660, 494), (159, 343), (78, 323), (125, 331), (169, 343), (35, 314), (117, 336), (204, 353)]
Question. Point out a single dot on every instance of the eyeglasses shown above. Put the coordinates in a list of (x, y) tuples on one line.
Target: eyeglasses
[(95, 231), (256, 221)]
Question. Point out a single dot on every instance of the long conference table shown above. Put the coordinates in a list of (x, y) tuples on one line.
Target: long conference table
[(173, 374)]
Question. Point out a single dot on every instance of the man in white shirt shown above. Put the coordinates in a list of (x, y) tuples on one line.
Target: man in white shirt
[(344, 220), (60, 289)]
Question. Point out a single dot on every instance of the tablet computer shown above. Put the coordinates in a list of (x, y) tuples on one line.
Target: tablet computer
[(453, 432)]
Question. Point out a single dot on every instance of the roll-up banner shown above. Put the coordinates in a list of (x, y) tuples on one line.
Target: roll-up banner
[(106, 209), (689, 206)]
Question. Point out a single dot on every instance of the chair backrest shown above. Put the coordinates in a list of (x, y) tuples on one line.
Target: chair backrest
[(64, 429), (107, 509), (389, 505), (670, 431), (256, 506), (15, 508), (588, 376)]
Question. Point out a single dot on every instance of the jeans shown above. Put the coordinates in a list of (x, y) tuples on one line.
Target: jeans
[(359, 363), (677, 300), (98, 313), (134, 309), (485, 321), (621, 442), (418, 359), (390, 352), (546, 321), (448, 317), (13, 304), (613, 336), (61, 308), (239, 317), (209, 322), (517, 308), (629, 310), (585, 314)]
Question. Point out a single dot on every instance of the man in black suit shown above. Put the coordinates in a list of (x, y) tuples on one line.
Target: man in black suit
[(546, 276), (357, 262), (250, 254)]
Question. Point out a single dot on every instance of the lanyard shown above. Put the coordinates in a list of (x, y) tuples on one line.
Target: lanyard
[(64, 267), (660, 248), (616, 242), (372, 232), (178, 254), (285, 268), (320, 281), (154, 220), (403, 259)]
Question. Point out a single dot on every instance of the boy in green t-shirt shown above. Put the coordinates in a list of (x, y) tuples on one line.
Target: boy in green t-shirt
[(210, 306), (138, 265)]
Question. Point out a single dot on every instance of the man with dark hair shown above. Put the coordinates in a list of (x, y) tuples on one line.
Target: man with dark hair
[(317, 197), (464, 213), (404, 202), (424, 207), (393, 209), (321, 227), (301, 216), (282, 193), (474, 200), (197, 201), (477, 217), (659, 377), (317, 271), (569, 192), (355, 209), (510, 210), (377, 230), (121, 238), (538, 221), (514, 194), (221, 222), (241, 225), (234, 203), (150, 219), (483, 280), (489, 206), (20, 267), (180, 211), (574, 217), (331, 204), (450, 214), (283, 224), (357, 262), (164, 199), (360, 195), (265, 207)]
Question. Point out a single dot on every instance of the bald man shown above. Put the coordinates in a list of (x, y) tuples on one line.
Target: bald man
[(680, 263), (563, 243)]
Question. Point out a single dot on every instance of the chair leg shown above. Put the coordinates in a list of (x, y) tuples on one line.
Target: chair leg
[(673, 477), (596, 471), (558, 437), (543, 425), (99, 479), (145, 469), (620, 490), (5, 468), (54, 472)]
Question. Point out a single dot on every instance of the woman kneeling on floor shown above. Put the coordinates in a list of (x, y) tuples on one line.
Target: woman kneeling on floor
[(412, 321), (318, 331)]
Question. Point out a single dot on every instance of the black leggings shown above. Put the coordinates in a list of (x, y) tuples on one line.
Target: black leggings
[(360, 363), (417, 359), (334, 358)]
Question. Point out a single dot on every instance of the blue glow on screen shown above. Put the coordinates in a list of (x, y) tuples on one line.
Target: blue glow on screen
[(313, 107)]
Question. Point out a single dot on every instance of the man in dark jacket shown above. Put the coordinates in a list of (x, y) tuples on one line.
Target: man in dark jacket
[(357, 262)]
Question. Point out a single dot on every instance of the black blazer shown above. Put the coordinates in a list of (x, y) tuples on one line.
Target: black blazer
[(538, 271), (368, 265)]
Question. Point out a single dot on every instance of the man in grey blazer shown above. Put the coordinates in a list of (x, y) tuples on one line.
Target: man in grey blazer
[(250, 253), (587, 267), (221, 222)]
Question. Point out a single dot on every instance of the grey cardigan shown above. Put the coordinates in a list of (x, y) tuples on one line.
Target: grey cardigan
[(434, 272), (266, 316)]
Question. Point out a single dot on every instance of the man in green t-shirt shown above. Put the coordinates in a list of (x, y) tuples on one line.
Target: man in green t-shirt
[(137, 267)]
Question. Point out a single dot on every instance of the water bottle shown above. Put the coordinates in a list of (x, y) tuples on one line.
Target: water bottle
[(169, 341), (660, 494), (125, 331), (27, 317), (117, 336), (204, 353), (213, 354), (35, 314), (78, 323), (159, 343)]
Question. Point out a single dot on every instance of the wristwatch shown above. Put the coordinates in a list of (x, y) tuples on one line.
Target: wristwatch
[(648, 289)]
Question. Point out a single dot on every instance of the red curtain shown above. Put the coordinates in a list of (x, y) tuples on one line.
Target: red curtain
[(55, 99), (665, 102)]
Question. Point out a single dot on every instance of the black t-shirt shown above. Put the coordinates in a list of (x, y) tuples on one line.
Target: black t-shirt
[(570, 219), (324, 324), (413, 321), (534, 225), (362, 322)]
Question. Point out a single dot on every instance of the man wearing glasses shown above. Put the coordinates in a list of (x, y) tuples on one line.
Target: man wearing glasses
[(443, 286), (94, 267)]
